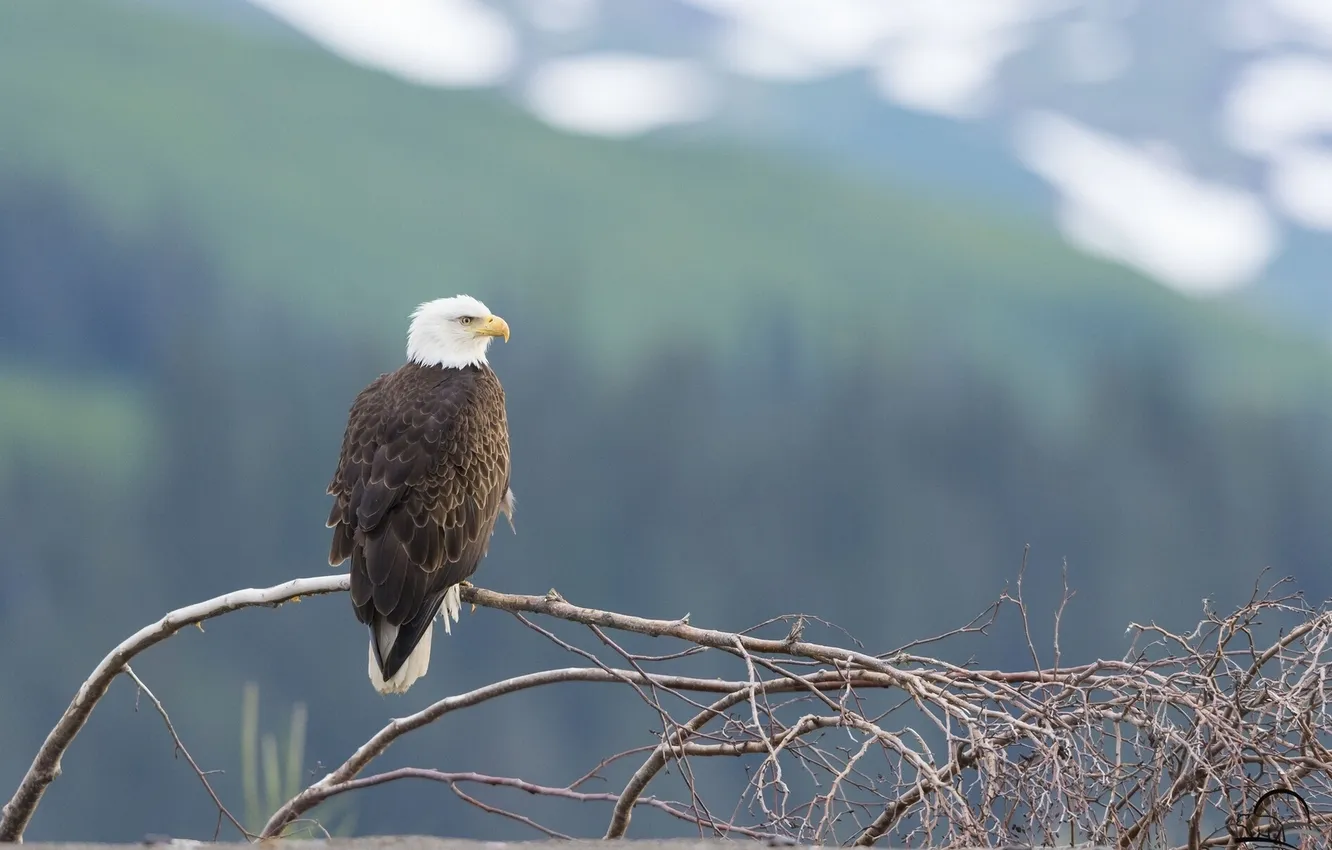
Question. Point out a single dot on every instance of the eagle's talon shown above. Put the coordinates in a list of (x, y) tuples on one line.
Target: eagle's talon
[(466, 583), (553, 595)]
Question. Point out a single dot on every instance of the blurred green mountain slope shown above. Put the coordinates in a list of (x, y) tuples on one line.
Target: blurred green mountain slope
[(349, 196)]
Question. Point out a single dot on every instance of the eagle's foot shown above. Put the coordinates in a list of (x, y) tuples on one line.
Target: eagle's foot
[(553, 595), (466, 583)]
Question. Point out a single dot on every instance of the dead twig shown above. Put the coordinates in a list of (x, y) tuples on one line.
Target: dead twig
[(180, 748)]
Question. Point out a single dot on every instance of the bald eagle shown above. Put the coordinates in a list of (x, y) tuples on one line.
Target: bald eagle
[(422, 477)]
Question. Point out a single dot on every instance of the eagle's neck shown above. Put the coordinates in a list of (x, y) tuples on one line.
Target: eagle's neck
[(445, 361), (432, 372), (433, 349)]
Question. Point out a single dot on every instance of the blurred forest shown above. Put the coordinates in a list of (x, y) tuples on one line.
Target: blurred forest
[(736, 388)]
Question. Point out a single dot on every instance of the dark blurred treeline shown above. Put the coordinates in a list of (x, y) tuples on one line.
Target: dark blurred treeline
[(892, 495)]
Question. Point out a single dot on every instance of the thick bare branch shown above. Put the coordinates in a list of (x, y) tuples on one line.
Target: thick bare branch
[(554, 606)]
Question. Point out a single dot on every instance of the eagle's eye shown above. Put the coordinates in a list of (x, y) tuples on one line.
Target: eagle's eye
[(466, 320)]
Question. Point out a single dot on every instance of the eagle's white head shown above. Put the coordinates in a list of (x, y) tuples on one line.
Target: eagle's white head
[(453, 332)]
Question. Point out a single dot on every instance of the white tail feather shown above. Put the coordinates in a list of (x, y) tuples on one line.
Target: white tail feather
[(507, 506), (452, 607), (419, 661), (385, 634)]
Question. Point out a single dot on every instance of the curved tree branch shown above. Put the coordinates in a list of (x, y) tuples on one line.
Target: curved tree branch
[(568, 793), (17, 813), (338, 781), (553, 605), (624, 806)]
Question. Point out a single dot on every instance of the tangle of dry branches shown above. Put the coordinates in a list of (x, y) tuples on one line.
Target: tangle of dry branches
[(1174, 744)]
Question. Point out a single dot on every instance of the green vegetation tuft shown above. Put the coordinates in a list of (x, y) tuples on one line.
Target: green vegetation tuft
[(283, 776)]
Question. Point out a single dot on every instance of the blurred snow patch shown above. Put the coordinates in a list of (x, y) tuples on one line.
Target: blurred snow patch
[(828, 36), (453, 43), (943, 57), (1280, 102), (1310, 19), (1126, 204), (618, 94), (1301, 185), (763, 55), (925, 55), (948, 76), (1280, 110)]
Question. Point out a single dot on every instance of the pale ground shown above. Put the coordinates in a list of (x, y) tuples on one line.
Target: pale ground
[(418, 842)]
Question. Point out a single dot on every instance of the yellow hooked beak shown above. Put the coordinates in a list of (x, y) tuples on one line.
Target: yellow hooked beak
[(494, 326)]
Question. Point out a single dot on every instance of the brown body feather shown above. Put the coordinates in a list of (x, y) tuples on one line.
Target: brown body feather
[(421, 479)]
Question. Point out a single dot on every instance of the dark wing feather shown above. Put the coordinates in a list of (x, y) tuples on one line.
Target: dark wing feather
[(359, 442), (422, 473)]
